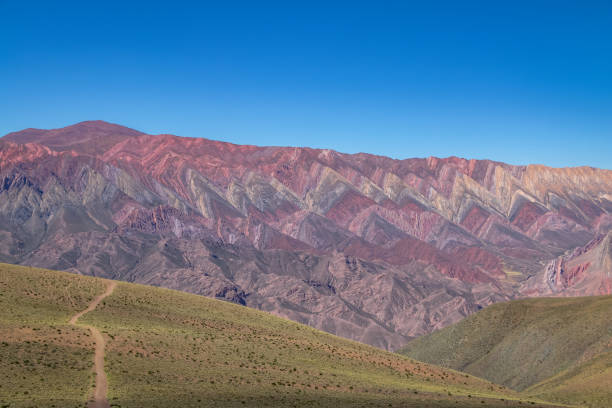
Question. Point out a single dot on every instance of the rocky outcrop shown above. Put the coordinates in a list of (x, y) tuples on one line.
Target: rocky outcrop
[(583, 271), (367, 247)]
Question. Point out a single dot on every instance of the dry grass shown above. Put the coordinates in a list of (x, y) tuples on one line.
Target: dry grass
[(171, 349), (559, 349), (43, 360)]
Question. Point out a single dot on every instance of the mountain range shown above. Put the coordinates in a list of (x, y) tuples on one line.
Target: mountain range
[(367, 247)]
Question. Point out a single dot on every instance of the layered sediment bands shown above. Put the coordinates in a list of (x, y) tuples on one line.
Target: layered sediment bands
[(585, 270), (367, 247)]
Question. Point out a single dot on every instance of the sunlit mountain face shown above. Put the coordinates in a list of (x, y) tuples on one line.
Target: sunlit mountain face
[(366, 247)]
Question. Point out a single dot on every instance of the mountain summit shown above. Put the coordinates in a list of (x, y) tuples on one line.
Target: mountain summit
[(85, 137), (367, 247)]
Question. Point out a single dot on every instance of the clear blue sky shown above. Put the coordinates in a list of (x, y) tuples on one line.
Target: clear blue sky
[(523, 82)]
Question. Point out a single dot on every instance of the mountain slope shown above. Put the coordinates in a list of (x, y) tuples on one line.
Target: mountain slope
[(558, 347), (587, 384), (85, 137), (586, 269), (366, 247), (44, 361), (170, 349)]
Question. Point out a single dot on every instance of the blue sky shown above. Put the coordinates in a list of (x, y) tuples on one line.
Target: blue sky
[(523, 82)]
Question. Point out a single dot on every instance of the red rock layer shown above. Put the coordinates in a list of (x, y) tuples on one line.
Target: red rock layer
[(364, 246)]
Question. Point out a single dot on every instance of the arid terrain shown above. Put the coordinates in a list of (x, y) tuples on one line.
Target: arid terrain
[(366, 247)]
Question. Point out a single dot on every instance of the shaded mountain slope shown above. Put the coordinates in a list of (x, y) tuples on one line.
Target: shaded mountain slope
[(587, 384), (170, 349), (559, 347), (366, 247)]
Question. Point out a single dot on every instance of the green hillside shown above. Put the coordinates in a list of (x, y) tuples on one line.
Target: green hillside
[(558, 348), (171, 349), (589, 384)]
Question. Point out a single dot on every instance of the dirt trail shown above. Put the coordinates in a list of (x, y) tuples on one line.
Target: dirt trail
[(99, 399)]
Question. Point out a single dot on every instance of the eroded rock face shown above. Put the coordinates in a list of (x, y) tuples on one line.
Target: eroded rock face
[(584, 271), (366, 247)]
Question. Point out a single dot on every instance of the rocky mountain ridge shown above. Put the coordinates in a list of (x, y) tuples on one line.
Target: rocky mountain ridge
[(367, 247)]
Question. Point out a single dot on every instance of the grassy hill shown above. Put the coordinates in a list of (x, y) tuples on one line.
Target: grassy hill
[(589, 384), (171, 349), (557, 348)]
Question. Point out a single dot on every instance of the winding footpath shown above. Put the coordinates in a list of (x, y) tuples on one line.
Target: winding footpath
[(99, 398)]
